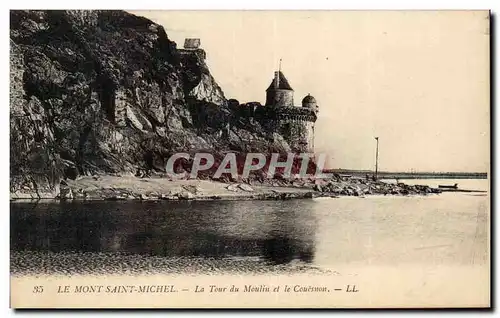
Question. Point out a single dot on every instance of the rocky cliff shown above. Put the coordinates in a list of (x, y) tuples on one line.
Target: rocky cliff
[(103, 92)]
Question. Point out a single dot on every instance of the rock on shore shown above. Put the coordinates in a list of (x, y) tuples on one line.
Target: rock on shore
[(361, 187), (109, 187)]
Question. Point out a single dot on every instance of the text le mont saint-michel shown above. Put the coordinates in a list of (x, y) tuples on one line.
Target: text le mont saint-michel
[(244, 288)]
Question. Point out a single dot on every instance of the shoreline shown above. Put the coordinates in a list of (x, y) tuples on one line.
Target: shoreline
[(123, 188)]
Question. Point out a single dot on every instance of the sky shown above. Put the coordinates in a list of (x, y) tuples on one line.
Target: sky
[(417, 80)]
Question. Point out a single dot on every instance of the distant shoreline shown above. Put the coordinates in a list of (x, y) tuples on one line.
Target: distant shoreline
[(411, 175)]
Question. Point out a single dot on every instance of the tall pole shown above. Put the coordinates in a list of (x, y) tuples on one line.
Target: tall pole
[(376, 161)]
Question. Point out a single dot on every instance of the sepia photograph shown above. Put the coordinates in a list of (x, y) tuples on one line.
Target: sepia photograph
[(250, 159)]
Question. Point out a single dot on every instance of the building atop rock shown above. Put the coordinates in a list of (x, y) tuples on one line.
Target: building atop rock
[(192, 46), (280, 115)]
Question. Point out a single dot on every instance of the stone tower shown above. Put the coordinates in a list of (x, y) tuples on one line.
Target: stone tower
[(294, 123), (309, 102), (279, 93)]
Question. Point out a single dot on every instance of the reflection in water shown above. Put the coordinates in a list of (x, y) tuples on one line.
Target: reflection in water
[(275, 232), (280, 250), (249, 236)]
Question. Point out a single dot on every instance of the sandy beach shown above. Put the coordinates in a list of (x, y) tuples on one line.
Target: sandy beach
[(128, 187)]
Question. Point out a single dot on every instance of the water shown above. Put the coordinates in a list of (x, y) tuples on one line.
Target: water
[(250, 237)]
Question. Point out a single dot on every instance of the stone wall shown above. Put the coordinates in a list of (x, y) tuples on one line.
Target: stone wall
[(295, 133), (200, 53), (295, 124), (310, 136)]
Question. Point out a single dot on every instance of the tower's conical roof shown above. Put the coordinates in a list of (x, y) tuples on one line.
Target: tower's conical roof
[(283, 83)]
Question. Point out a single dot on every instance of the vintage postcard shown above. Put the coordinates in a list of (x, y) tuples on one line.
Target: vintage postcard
[(249, 159)]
